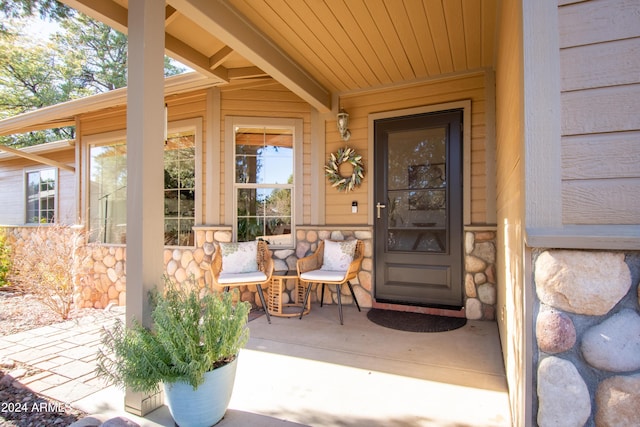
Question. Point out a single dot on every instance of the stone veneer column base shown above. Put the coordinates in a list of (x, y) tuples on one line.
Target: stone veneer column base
[(587, 337)]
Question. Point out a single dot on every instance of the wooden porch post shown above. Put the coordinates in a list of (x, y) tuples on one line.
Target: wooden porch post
[(145, 170)]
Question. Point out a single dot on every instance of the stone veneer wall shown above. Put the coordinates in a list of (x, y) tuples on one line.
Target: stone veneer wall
[(587, 329), (307, 242), (101, 269), (480, 275)]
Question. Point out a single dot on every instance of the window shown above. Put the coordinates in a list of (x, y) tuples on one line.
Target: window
[(264, 184), (41, 196), (108, 192), (179, 189), (108, 189)]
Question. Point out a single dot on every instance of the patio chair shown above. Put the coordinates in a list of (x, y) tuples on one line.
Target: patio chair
[(243, 264), (333, 263)]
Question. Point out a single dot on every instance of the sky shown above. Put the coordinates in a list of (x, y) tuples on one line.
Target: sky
[(41, 29)]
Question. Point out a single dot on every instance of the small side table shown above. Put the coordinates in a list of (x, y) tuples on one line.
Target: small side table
[(274, 303)]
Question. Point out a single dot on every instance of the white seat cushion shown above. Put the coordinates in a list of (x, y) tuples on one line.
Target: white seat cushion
[(323, 276), (234, 278)]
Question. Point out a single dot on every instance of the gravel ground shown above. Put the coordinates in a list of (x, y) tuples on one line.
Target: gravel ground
[(19, 406)]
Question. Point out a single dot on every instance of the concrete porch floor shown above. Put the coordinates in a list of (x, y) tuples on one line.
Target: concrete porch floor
[(316, 372)]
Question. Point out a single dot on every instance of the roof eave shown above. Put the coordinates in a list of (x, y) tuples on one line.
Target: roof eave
[(64, 114)]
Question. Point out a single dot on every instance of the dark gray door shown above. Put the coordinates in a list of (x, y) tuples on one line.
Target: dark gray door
[(418, 209)]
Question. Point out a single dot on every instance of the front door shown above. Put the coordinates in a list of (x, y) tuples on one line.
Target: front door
[(418, 209)]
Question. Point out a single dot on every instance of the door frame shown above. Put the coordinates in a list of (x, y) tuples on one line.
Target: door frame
[(465, 106)]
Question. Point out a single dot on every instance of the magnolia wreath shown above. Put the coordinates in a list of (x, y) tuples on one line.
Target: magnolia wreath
[(332, 169)]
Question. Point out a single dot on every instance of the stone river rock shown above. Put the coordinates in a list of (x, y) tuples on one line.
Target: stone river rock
[(563, 396), (618, 402), (555, 332), (614, 344), (581, 282)]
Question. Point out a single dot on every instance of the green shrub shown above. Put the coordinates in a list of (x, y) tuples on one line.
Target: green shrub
[(5, 259), (190, 336)]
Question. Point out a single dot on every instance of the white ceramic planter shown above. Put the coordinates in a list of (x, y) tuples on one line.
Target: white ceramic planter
[(206, 405)]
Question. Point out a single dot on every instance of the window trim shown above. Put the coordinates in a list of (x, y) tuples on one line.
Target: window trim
[(230, 197), (56, 195), (184, 126), (175, 126)]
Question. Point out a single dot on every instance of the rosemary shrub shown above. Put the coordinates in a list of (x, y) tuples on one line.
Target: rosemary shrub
[(190, 336)]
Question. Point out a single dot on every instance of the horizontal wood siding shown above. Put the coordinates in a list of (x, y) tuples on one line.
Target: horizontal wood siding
[(103, 121), (267, 101), (600, 66), (359, 106), (67, 209), (12, 182), (183, 106)]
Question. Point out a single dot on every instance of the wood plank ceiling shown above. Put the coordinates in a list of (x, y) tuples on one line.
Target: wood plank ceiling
[(355, 44), (321, 48)]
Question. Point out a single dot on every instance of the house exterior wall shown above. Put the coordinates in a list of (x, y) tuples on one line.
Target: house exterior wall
[(12, 182), (585, 302), (512, 316), (103, 266), (272, 101), (600, 100)]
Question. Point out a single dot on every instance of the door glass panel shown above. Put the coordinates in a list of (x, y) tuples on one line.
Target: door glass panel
[(417, 190)]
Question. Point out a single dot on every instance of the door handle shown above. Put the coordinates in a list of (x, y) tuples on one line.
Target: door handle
[(380, 206)]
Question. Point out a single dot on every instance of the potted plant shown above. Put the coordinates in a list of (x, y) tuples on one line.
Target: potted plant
[(192, 349)]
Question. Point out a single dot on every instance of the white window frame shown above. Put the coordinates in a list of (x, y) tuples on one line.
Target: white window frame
[(194, 124), (231, 207), (56, 194)]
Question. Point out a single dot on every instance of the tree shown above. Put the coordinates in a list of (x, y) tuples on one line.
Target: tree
[(96, 54), (46, 9), (84, 58), (32, 76)]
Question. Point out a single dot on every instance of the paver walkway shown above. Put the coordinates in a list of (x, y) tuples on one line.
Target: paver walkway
[(66, 354)]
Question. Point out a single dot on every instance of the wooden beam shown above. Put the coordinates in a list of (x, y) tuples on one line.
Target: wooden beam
[(194, 59), (246, 73), (107, 12), (219, 57), (170, 15), (116, 17), (226, 24), (37, 158)]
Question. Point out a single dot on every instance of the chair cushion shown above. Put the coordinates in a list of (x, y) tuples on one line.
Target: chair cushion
[(241, 257), (241, 278), (323, 276), (338, 255)]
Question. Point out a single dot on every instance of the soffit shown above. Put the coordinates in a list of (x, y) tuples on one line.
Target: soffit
[(339, 45), (350, 45)]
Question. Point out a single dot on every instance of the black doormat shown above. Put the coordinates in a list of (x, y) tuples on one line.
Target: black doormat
[(414, 322)]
